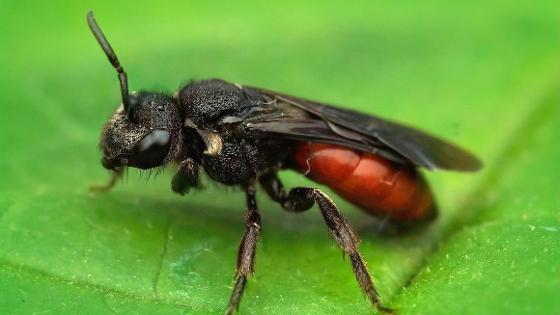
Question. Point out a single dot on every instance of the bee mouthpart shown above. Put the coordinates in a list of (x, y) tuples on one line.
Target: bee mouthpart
[(113, 164)]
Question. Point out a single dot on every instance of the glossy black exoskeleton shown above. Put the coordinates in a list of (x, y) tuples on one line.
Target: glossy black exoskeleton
[(244, 135)]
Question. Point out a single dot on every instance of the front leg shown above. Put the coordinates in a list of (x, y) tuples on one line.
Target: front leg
[(247, 250), (302, 199), (115, 175), (186, 177)]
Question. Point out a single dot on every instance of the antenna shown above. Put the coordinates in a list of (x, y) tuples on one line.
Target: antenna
[(102, 40)]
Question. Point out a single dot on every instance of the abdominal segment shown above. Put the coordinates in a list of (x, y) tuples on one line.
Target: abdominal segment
[(378, 186)]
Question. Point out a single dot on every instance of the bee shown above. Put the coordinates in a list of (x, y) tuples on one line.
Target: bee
[(243, 136)]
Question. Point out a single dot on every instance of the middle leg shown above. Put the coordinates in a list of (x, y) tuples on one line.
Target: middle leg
[(246, 251)]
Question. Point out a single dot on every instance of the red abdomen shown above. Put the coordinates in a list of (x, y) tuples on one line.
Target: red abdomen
[(378, 186)]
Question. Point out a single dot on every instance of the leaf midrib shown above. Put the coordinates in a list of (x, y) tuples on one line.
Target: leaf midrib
[(505, 160)]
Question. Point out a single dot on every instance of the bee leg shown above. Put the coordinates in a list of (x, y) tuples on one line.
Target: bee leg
[(115, 175), (301, 199), (186, 177), (246, 251)]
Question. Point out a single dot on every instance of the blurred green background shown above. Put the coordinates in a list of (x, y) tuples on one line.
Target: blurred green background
[(484, 74)]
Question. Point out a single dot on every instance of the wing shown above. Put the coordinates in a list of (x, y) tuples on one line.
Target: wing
[(300, 119)]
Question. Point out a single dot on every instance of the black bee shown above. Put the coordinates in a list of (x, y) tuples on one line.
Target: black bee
[(244, 135)]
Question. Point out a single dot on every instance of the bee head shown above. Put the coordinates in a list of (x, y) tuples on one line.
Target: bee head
[(145, 134), (145, 131)]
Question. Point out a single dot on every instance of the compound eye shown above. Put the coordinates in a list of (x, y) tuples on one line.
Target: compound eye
[(151, 151)]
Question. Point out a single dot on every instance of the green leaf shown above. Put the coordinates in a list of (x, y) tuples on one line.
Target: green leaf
[(481, 74)]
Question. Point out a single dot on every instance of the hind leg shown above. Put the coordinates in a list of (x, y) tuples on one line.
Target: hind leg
[(302, 199)]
